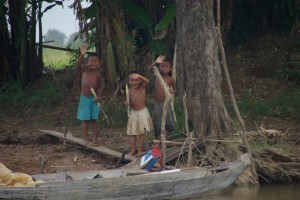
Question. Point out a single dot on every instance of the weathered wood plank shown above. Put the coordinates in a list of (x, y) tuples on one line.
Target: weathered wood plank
[(100, 149)]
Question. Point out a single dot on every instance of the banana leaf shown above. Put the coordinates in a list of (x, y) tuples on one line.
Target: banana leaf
[(138, 14), (157, 46), (2, 2), (119, 44), (51, 6), (167, 19), (57, 2), (90, 11), (3, 10)]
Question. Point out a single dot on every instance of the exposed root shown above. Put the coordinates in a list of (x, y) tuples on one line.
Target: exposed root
[(277, 168)]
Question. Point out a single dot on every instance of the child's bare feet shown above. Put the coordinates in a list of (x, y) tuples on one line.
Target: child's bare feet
[(86, 142), (131, 153), (94, 143)]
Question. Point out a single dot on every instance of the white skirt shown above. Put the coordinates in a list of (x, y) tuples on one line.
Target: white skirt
[(139, 121)]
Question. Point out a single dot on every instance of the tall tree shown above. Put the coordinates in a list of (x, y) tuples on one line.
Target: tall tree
[(199, 69), (5, 47), (18, 21), (74, 41), (56, 36), (17, 18)]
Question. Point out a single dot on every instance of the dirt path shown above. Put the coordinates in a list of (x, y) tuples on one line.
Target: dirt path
[(23, 148)]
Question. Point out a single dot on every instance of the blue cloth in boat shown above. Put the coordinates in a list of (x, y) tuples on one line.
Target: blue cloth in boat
[(155, 156), (87, 109)]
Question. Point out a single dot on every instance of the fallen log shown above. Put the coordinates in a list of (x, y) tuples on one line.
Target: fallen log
[(100, 149)]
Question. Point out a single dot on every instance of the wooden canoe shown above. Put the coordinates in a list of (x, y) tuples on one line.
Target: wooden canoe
[(126, 184)]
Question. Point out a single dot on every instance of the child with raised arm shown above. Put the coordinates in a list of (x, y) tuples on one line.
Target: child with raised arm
[(139, 119), (88, 109), (165, 69)]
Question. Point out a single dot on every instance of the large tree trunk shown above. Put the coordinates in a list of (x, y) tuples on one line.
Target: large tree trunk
[(17, 18), (22, 47), (34, 70), (40, 62), (199, 66), (5, 48)]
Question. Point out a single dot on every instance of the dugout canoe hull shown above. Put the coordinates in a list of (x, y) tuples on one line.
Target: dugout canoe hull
[(124, 184)]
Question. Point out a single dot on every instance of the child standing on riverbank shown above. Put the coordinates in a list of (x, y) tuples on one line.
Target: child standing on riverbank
[(165, 69), (88, 109), (139, 120)]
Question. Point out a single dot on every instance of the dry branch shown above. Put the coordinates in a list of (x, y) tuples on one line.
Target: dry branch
[(168, 97), (232, 97)]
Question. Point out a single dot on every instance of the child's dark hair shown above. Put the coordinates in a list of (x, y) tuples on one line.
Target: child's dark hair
[(171, 64), (93, 54), (134, 72), (169, 61)]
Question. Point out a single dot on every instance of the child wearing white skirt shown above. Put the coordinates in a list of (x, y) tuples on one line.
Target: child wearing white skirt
[(139, 121)]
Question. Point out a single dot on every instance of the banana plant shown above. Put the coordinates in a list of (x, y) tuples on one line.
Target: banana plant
[(104, 19), (117, 46), (18, 30), (155, 32)]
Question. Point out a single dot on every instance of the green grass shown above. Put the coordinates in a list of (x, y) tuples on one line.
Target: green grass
[(44, 94), (285, 104), (281, 145), (12, 92), (55, 59)]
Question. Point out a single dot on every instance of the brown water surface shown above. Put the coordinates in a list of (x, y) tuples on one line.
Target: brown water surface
[(285, 192)]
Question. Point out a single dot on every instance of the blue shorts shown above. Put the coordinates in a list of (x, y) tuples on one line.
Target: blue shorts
[(87, 109)]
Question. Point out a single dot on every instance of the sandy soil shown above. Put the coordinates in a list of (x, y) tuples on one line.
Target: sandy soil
[(24, 148)]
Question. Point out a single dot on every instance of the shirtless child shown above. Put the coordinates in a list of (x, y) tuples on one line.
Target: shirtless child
[(165, 69), (88, 110), (139, 120)]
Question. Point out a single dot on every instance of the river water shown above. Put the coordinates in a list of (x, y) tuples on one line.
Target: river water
[(286, 192)]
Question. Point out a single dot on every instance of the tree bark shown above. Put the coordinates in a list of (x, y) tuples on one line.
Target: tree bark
[(5, 49), (22, 47), (40, 62), (199, 65), (34, 70)]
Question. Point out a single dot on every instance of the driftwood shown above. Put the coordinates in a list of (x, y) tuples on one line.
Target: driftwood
[(275, 168), (174, 151), (100, 149), (272, 167)]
